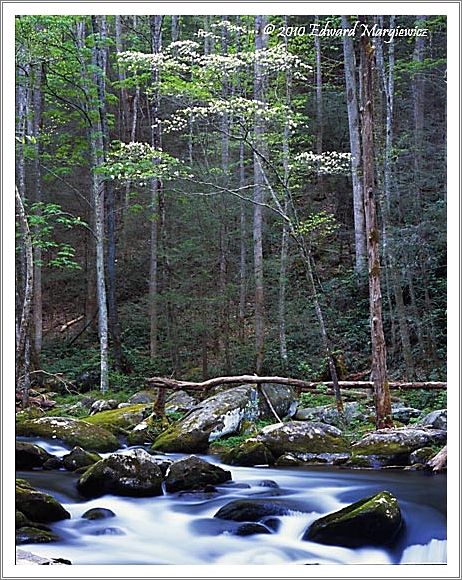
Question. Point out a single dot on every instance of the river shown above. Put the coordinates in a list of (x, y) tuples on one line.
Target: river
[(180, 529)]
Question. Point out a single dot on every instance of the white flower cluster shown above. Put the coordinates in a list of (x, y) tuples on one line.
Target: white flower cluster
[(326, 163), (227, 25), (205, 34)]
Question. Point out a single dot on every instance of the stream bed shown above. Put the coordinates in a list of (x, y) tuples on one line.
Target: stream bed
[(179, 528)]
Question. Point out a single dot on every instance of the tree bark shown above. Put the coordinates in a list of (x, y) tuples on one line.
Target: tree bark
[(379, 352), (388, 182), (169, 383), (156, 186), (23, 345), (37, 112), (259, 130), (285, 229), (99, 30), (98, 194), (438, 462), (355, 146)]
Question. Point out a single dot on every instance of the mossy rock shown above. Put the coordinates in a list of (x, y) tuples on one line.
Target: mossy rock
[(72, 432), (38, 506), (29, 455), (394, 446), (248, 453), (374, 520), (302, 437), (194, 473), (31, 535), (134, 474), (118, 420), (21, 520), (79, 458)]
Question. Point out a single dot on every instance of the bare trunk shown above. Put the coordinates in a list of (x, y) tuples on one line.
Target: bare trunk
[(22, 345), (259, 131), (319, 111), (98, 195), (37, 108), (355, 146), (125, 107), (99, 30), (156, 186), (175, 28), (243, 247), (379, 352), (388, 88), (285, 231)]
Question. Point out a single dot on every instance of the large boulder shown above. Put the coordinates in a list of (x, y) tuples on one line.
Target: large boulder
[(329, 414), (248, 453), (134, 473), (36, 505), (71, 432), (144, 397), (218, 416), (79, 458), (436, 420), (194, 473), (295, 459), (393, 446), (374, 520), (119, 420), (302, 437), (282, 398), (248, 510), (179, 402), (29, 455), (403, 414)]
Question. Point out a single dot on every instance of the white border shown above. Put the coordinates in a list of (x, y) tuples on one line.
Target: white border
[(10, 9)]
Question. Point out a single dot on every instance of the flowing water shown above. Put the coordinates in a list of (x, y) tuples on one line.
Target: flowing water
[(180, 529)]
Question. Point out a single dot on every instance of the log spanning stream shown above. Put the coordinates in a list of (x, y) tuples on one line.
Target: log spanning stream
[(180, 529)]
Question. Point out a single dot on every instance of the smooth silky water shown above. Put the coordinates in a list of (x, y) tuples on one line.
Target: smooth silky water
[(180, 529)]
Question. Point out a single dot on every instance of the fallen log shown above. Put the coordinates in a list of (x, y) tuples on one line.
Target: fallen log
[(168, 383)]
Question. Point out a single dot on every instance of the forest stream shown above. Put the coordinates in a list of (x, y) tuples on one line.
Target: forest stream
[(179, 528)]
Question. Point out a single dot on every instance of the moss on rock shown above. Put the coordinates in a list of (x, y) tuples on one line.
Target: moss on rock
[(374, 520), (248, 453), (38, 506), (119, 420), (72, 432)]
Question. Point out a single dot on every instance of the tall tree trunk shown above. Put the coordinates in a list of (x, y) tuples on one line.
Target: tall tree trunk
[(124, 104), (388, 88), (355, 146), (156, 186), (242, 246), (100, 32), (175, 28), (23, 340), (379, 351), (98, 202), (37, 109), (285, 229), (261, 41), (223, 330)]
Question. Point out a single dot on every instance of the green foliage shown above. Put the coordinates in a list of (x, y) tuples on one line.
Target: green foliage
[(317, 398), (425, 399)]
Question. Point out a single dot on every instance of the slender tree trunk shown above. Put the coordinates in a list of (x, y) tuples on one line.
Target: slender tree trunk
[(379, 352), (243, 246), (98, 198), (175, 28), (156, 186), (285, 229), (259, 131), (23, 344), (124, 104), (99, 30), (37, 109), (388, 88), (355, 146)]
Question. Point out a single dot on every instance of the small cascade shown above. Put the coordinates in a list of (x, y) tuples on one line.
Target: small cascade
[(435, 552)]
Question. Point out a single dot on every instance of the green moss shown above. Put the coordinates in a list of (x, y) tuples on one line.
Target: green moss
[(116, 420), (71, 431)]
